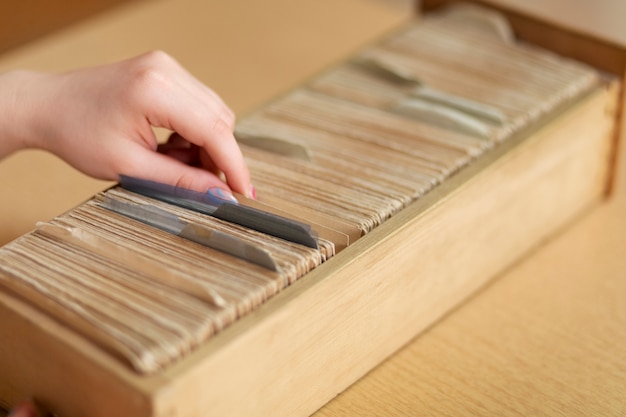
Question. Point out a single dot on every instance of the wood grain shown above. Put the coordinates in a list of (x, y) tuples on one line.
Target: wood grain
[(547, 338)]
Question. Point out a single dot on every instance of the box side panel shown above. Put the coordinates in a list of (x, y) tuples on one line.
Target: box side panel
[(314, 340), (42, 360)]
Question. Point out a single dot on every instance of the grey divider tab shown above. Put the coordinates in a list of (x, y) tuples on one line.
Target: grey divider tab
[(249, 217)]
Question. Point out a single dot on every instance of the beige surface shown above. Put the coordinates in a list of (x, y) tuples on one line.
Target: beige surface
[(546, 339), (23, 21)]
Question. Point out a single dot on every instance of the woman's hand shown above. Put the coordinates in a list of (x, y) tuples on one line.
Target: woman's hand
[(100, 121)]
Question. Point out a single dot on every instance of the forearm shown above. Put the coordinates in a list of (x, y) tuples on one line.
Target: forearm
[(9, 140)]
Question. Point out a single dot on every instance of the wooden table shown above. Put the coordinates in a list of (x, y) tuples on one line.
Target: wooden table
[(548, 337)]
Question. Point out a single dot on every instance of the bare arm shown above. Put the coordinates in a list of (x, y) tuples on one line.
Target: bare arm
[(100, 121)]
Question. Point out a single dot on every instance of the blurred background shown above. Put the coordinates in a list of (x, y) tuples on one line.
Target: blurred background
[(27, 20)]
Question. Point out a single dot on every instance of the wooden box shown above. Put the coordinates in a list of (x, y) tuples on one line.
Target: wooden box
[(318, 336)]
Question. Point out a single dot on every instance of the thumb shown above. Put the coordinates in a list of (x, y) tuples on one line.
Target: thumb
[(153, 166)]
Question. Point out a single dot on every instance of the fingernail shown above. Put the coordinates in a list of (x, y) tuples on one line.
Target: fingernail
[(252, 192), (222, 194)]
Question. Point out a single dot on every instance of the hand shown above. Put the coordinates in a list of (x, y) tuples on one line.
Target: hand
[(100, 121)]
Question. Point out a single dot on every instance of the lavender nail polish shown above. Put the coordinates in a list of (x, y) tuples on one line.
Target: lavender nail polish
[(222, 195)]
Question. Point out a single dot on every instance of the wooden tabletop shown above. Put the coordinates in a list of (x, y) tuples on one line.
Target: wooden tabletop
[(547, 337)]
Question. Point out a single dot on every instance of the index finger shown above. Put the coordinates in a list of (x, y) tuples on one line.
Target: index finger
[(175, 100)]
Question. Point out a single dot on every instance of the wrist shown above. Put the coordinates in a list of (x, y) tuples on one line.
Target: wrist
[(9, 140), (20, 106)]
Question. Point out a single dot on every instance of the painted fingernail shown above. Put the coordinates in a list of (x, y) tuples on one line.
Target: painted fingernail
[(222, 194)]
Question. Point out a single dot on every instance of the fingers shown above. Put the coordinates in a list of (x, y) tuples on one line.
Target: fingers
[(214, 134), (173, 99), (180, 149), (146, 164), (102, 118)]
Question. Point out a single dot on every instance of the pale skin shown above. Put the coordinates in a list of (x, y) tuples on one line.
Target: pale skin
[(100, 121)]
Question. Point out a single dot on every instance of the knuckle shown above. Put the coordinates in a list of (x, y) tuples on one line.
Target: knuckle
[(229, 118), (221, 127), (156, 57), (148, 73)]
